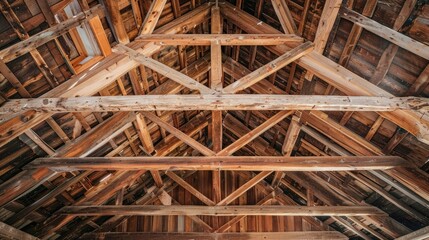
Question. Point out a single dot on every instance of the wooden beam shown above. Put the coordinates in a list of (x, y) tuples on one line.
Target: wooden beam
[(190, 188), (284, 16), (216, 83), (153, 210), (326, 22), (389, 34), (152, 17), (254, 133), (19, 29), (179, 134), (335, 75), (244, 188), (215, 102), (221, 39), (88, 82), (225, 163), (420, 234), (31, 43), (313, 235), (269, 68), (290, 139), (164, 70), (112, 7), (10, 232), (291, 136)]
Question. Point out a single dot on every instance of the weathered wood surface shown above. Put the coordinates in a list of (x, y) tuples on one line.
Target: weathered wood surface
[(215, 102), (221, 39), (313, 235), (230, 210), (230, 163)]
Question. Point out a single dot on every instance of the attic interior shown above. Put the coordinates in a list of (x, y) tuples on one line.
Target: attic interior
[(256, 119)]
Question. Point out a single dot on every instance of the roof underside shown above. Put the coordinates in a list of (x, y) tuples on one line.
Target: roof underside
[(367, 48)]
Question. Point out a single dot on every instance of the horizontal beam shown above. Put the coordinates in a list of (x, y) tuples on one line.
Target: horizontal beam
[(275, 210), (222, 39), (227, 163), (309, 235), (215, 102)]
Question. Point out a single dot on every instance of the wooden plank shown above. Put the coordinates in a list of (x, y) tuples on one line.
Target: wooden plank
[(269, 68), (31, 43), (164, 70), (225, 163), (313, 235), (152, 17), (221, 39), (10, 232), (284, 16), (153, 210), (389, 34), (215, 102)]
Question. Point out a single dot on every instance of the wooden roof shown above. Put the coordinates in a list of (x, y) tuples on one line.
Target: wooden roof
[(256, 119)]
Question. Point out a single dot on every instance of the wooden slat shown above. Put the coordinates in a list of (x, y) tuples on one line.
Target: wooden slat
[(269, 68), (221, 39), (152, 210), (307, 235), (215, 102), (389, 34), (232, 163), (152, 17)]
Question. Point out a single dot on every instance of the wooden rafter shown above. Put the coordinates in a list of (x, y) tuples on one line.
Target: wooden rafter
[(221, 39)]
